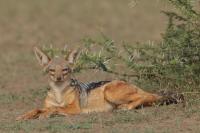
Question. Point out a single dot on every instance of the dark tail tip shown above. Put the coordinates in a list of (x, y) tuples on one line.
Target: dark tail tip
[(170, 97)]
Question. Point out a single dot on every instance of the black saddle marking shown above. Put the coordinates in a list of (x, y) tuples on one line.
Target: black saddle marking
[(85, 88), (88, 86)]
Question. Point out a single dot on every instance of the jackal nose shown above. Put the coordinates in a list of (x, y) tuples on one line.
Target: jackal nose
[(58, 78)]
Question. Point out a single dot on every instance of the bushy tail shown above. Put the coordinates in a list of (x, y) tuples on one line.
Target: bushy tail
[(169, 97)]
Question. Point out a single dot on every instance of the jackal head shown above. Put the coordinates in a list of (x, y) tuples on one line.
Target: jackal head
[(59, 69)]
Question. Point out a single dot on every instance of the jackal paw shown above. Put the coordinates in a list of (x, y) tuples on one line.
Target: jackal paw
[(44, 116), (123, 107), (21, 117), (24, 117)]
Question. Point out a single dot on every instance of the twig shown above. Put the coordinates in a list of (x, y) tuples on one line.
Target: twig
[(190, 92), (125, 74)]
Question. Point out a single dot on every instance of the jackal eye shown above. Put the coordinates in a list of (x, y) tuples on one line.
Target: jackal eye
[(66, 69), (51, 70), (51, 74)]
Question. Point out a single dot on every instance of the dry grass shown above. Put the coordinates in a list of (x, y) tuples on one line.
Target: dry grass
[(26, 23)]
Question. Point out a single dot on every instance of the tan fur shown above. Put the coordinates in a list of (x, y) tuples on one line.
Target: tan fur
[(64, 99)]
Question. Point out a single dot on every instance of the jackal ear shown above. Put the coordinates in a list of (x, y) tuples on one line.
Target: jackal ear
[(42, 58), (73, 55)]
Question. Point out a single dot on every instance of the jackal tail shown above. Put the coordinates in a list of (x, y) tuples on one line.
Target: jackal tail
[(170, 97)]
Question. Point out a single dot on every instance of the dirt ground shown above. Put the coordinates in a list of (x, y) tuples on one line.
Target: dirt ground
[(23, 86)]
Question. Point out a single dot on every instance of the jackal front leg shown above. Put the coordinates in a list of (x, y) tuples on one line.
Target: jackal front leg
[(65, 111), (38, 113), (33, 114)]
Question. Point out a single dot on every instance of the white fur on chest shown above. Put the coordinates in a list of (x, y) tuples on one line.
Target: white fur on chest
[(58, 91)]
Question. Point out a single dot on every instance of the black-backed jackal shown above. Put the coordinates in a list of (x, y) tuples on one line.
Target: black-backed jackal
[(68, 96)]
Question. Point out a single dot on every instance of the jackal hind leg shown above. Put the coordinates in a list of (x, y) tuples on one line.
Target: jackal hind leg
[(138, 100), (135, 100), (126, 96), (133, 103)]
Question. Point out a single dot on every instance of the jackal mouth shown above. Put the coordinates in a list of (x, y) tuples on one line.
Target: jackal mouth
[(59, 81)]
